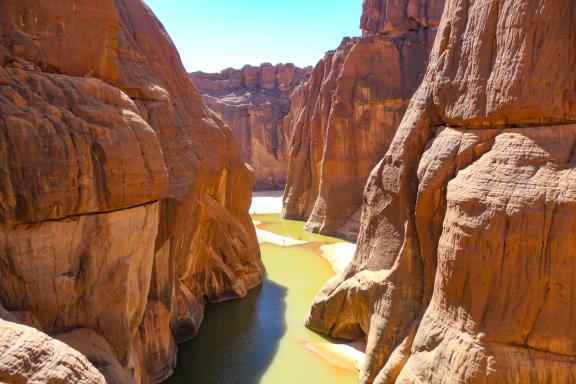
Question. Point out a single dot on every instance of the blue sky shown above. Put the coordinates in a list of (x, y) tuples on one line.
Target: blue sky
[(215, 34)]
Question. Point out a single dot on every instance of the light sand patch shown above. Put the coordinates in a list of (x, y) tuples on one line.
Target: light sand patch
[(339, 255), (272, 238), (266, 202), (349, 356)]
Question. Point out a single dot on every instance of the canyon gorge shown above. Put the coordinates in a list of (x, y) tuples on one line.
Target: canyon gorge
[(254, 102), (344, 117), (441, 141)]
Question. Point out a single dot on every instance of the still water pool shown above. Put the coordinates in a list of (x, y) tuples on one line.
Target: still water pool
[(261, 338)]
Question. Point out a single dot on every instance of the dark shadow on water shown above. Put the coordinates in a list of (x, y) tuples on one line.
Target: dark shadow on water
[(237, 340)]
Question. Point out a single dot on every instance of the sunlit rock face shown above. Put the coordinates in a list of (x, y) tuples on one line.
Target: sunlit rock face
[(465, 267), (343, 119), (124, 200), (254, 101), (30, 356)]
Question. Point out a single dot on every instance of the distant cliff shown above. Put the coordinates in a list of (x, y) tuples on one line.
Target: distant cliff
[(344, 117), (254, 102)]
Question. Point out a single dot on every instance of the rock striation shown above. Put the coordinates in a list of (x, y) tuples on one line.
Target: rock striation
[(464, 271), (124, 200), (254, 102), (344, 117)]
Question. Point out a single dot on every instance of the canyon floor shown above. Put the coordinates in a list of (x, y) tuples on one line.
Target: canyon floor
[(262, 338)]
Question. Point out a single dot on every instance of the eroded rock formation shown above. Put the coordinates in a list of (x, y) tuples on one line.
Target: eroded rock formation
[(465, 267), (254, 102), (124, 200), (344, 118), (30, 356)]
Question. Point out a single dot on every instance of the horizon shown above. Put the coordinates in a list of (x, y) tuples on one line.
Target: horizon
[(232, 34)]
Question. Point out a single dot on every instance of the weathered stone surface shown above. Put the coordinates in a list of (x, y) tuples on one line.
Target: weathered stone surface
[(30, 356), (72, 146), (343, 119), (254, 101), (120, 188), (99, 353), (464, 271), (85, 271), (398, 16)]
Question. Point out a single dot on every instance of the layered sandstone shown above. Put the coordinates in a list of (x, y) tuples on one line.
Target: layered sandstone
[(254, 102), (124, 200), (344, 118), (464, 271)]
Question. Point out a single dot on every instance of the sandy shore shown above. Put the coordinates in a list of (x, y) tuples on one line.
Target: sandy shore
[(339, 255), (350, 356), (272, 238), (264, 202)]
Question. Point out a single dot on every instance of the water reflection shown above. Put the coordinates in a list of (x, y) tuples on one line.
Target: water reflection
[(262, 338), (237, 340)]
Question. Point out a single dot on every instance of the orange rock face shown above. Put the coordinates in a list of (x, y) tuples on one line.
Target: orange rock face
[(464, 271), (30, 356), (124, 200), (343, 119), (254, 102)]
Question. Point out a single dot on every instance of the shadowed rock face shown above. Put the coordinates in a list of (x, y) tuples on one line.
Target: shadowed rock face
[(344, 117), (254, 102), (124, 200), (464, 271)]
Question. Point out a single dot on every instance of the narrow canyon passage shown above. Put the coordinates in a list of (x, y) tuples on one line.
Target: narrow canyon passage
[(437, 135), (262, 338)]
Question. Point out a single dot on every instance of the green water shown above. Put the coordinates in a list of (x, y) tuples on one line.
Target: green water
[(272, 222), (261, 338)]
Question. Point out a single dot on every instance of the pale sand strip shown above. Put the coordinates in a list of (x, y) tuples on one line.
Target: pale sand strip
[(349, 356), (272, 238), (339, 255), (266, 202)]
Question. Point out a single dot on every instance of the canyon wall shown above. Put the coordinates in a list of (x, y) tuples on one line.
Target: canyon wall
[(465, 268), (344, 118), (254, 102), (30, 356), (124, 200)]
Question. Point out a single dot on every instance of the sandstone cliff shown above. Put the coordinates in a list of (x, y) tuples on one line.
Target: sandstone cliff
[(465, 269), (124, 200), (344, 118), (254, 102)]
